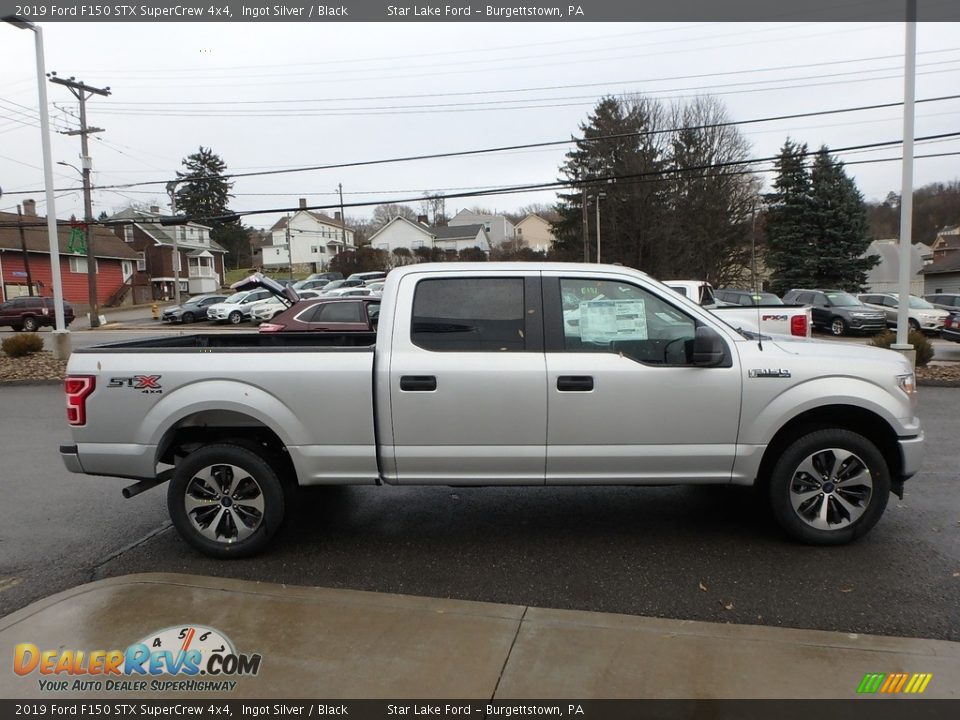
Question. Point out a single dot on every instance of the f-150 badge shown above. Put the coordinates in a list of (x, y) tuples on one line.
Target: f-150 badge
[(770, 372)]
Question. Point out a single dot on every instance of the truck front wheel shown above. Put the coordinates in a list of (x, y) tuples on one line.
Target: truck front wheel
[(829, 487), (226, 501)]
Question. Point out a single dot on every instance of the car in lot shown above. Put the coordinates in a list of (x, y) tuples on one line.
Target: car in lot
[(360, 291), (274, 306), (32, 313), (770, 319), (837, 311), (922, 315), (337, 284), (746, 298), (328, 315), (237, 308), (376, 287), (331, 276), (192, 310), (951, 327), (310, 284), (368, 277), (944, 301)]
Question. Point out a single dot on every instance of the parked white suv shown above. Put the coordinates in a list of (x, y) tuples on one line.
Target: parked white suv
[(922, 315), (237, 308)]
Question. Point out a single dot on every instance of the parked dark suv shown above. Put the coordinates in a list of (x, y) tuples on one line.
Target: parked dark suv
[(31, 313), (838, 312)]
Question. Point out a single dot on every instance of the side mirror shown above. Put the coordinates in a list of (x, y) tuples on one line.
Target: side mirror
[(709, 350)]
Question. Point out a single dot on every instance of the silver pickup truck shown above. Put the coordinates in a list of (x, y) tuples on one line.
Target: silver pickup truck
[(498, 374)]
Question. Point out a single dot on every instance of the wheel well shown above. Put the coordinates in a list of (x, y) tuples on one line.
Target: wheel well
[(217, 426), (847, 417)]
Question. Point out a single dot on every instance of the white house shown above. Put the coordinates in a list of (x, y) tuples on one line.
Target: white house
[(403, 233), (497, 227), (535, 232), (885, 276), (306, 240)]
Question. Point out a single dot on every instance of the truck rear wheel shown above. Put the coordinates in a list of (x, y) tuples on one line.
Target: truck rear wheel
[(829, 487), (226, 501)]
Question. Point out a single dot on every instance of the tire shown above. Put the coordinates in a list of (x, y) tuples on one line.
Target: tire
[(188, 318), (838, 327), (16, 328), (226, 521), (235, 318), (30, 324), (914, 325), (822, 510)]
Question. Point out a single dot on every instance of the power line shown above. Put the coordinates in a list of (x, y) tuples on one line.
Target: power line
[(550, 143)]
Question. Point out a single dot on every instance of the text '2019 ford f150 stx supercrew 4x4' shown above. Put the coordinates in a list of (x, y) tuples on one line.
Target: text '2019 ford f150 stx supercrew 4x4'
[(498, 374)]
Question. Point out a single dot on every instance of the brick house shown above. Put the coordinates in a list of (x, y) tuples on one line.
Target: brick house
[(201, 260), (115, 261)]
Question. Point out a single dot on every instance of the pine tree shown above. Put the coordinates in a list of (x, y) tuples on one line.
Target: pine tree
[(204, 192), (792, 253), (841, 224)]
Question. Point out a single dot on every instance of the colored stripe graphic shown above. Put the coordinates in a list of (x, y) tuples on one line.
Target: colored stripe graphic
[(894, 683)]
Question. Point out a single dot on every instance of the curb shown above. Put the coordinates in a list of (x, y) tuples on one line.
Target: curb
[(938, 383)]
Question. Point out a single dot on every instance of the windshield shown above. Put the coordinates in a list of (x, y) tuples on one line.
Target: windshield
[(842, 299), (235, 298), (919, 303)]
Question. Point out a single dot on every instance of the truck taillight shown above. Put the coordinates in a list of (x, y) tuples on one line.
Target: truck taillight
[(78, 389), (798, 325)]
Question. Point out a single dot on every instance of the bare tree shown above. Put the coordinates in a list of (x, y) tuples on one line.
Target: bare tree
[(382, 214)]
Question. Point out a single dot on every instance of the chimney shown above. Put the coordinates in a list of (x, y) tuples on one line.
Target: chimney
[(303, 203), (155, 209), (336, 216), (30, 207), (422, 219)]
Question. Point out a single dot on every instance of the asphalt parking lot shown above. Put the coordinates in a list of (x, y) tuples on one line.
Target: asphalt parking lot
[(691, 553)]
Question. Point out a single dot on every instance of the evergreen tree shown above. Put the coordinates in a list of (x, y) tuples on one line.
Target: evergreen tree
[(203, 190), (841, 223), (816, 224), (792, 252)]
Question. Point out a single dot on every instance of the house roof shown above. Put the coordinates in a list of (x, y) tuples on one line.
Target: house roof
[(455, 232), (888, 269), (546, 217), (105, 243), (149, 223), (422, 228), (946, 264), (281, 224)]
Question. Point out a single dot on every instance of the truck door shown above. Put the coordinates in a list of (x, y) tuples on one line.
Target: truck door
[(625, 403), (468, 398)]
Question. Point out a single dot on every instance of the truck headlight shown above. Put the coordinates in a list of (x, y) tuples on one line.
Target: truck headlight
[(907, 383)]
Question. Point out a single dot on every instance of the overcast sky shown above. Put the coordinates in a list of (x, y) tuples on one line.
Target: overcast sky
[(284, 95)]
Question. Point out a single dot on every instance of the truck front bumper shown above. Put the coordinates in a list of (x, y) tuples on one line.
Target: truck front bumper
[(911, 453)]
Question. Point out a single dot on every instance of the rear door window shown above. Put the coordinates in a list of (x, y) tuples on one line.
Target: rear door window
[(469, 315), (340, 312)]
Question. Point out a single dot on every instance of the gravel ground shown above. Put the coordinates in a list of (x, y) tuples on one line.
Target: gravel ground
[(43, 366)]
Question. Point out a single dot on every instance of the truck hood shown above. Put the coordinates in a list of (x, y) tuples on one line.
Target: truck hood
[(826, 350)]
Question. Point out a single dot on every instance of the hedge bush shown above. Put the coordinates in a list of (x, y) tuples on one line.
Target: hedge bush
[(921, 343), (23, 344)]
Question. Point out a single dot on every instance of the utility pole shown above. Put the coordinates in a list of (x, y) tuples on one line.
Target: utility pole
[(289, 248), (81, 92), (600, 196), (343, 218), (586, 229), (175, 258), (26, 257)]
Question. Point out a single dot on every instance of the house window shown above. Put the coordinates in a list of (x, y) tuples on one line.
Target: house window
[(314, 249), (79, 265), (141, 261), (128, 233)]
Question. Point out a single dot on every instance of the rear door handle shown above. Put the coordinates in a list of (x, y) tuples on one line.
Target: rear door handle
[(418, 383), (575, 383)]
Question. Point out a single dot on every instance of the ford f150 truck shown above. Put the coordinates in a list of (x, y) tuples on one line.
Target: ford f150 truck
[(479, 375), (795, 320)]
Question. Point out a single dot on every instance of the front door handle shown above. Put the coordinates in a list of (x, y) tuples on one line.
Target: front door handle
[(418, 383), (575, 383)]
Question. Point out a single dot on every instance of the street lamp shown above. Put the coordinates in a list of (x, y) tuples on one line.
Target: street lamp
[(61, 336)]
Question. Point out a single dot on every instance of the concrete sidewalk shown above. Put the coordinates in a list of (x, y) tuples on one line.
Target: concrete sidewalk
[(326, 643)]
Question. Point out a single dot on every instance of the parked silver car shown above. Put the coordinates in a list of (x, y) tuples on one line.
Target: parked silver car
[(921, 314)]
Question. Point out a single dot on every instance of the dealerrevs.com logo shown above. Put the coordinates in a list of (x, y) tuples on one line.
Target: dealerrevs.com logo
[(196, 657)]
